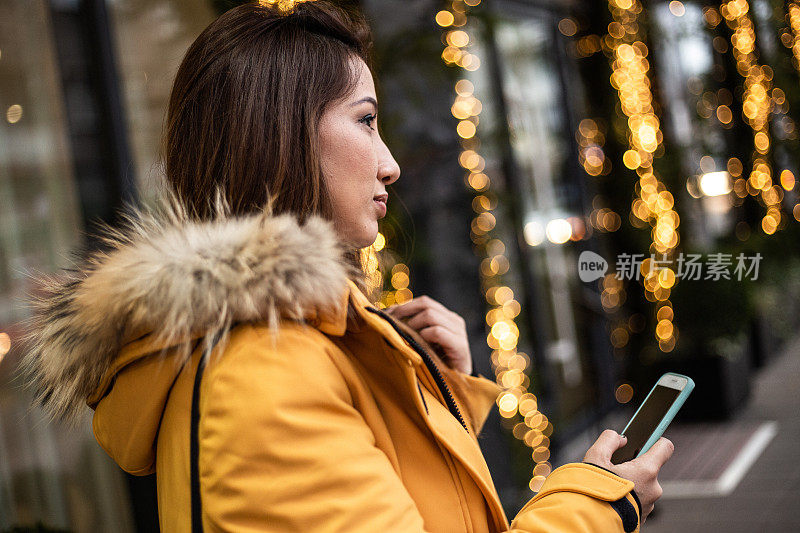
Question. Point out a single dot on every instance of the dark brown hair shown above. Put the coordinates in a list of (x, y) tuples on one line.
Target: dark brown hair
[(246, 103)]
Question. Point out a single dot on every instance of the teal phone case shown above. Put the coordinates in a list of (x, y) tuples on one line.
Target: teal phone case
[(662, 426)]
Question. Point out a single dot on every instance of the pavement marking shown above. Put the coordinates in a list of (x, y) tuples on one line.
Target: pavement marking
[(733, 474)]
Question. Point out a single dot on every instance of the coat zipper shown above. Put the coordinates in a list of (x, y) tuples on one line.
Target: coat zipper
[(430, 363), (446, 393)]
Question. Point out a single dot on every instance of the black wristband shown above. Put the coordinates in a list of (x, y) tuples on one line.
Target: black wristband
[(623, 507), (633, 492)]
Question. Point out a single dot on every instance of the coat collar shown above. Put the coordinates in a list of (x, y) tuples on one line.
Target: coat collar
[(172, 278), (335, 321), (332, 319)]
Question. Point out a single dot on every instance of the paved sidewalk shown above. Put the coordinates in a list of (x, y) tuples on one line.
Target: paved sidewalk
[(768, 497)]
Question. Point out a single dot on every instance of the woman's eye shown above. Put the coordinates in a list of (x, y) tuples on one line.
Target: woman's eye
[(368, 120)]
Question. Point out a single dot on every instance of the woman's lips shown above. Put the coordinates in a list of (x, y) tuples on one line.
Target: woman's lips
[(381, 206), (381, 199)]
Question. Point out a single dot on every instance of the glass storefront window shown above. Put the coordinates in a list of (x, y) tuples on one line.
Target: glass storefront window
[(151, 39), (48, 473), (536, 116), (531, 82), (38, 205), (699, 114)]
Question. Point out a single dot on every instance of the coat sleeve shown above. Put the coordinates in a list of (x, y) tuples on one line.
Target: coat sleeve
[(282, 448), (580, 498), (575, 498)]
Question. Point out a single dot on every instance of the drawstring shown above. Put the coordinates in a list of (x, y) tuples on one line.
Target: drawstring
[(194, 439)]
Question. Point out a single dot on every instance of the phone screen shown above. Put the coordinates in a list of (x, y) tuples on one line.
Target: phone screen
[(645, 422)]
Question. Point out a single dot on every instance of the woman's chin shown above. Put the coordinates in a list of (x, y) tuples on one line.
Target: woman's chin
[(369, 238), (362, 240), (366, 243)]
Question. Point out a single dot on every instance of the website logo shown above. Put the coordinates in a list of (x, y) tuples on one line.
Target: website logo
[(591, 266), (689, 267)]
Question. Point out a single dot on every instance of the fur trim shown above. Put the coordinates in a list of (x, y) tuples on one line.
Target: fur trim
[(172, 277)]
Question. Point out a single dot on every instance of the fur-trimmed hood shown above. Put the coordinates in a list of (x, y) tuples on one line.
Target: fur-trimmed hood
[(171, 279)]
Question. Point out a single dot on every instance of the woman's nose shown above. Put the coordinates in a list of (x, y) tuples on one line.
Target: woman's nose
[(390, 177), (388, 169)]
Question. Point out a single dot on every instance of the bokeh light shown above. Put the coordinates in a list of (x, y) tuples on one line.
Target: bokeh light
[(511, 367), (654, 203)]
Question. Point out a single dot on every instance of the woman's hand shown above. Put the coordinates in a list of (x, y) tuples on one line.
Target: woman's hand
[(443, 329), (643, 471)]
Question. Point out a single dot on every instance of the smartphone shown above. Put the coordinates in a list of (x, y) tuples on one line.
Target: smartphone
[(653, 416)]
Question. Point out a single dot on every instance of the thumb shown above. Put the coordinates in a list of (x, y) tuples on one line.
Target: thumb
[(605, 446)]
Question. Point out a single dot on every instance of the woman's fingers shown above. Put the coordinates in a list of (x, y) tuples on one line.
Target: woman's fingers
[(438, 326), (439, 335), (604, 447), (643, 471), (414, 306), (424, 312), (434, 317), (422, 319), (659, 453)]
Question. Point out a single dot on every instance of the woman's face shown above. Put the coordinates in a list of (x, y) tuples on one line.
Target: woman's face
[(356, 163)]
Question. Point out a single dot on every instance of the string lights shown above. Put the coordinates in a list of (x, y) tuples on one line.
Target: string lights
[(756, 109), (591, 155), (792, 40), (510, 366), (594, 161), (654, 203), (399, 275)]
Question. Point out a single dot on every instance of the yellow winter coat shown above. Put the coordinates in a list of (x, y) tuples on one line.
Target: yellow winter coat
[(316, 412)]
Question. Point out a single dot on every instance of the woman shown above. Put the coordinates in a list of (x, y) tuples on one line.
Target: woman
[(228, 345)]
